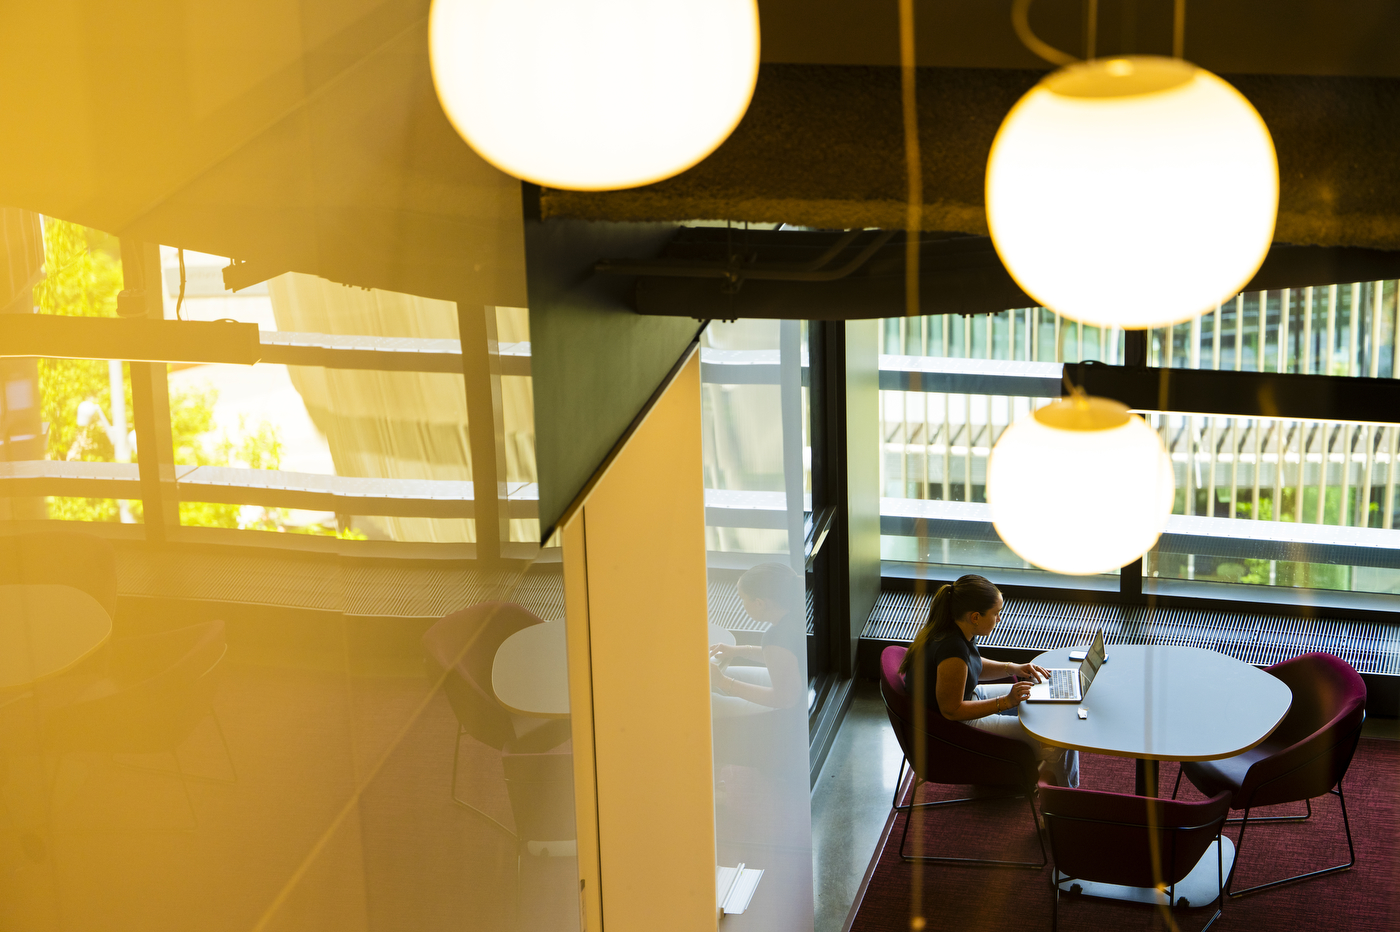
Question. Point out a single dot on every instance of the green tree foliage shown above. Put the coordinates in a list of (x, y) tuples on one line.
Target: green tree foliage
[(83, 275)]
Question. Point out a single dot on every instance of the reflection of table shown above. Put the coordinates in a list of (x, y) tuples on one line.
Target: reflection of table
[(45, 630), (1159, 703), (530, 674)]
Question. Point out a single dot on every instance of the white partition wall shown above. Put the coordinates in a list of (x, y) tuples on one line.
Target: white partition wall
[(634, 557)]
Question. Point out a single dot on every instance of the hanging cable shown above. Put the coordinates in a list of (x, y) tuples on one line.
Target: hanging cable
[(1091, 29), (1021, 22), (908, 67), (180, 254), (1179, 29)]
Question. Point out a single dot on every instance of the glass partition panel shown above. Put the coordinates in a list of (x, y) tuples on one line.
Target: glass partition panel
[(295, 745), (278, 738), (757, 496)]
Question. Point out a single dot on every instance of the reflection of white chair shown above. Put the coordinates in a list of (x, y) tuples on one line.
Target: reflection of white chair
[(459, 651)]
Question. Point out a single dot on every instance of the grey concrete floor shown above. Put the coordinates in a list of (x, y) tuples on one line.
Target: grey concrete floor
[(850, 804)]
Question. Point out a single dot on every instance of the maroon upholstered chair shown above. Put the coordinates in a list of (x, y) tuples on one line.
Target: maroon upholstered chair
[(1135, 841), (953, 753), (459, 651), (1306, 756)]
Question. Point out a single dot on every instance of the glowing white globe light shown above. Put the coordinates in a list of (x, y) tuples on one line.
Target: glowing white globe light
[(1132, 192), (1080, 487), (594, 95)]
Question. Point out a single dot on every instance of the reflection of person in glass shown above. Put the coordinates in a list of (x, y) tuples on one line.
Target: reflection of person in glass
[(759, 704), (766, 674), (944, 666)]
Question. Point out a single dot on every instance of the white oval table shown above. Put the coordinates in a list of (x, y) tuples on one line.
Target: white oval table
[(46, 630), (530, 673), (1157, 703)]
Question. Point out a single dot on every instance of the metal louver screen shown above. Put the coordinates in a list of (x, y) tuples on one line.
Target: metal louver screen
[(1033, 624)]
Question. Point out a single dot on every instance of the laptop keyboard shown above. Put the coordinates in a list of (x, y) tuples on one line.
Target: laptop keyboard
[(1062, 684)]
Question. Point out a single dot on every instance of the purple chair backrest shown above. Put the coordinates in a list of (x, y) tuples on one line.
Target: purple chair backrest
[(956, 753), (460, 649), (1313, 745), (1110, 837)]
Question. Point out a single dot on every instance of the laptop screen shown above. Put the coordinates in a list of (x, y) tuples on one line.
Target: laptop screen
[(1091, 663)]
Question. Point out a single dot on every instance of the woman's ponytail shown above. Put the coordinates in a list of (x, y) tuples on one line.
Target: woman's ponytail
[(971, 593)]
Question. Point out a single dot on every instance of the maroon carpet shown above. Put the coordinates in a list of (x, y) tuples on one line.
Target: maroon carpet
[(1366, 898)]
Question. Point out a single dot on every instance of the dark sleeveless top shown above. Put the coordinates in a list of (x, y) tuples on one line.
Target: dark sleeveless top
[(935, 652)]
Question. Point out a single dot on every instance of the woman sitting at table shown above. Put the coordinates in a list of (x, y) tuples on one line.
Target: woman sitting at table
[(944, 660)]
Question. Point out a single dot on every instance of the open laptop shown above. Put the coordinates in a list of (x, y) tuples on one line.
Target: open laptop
[(1068, 684)]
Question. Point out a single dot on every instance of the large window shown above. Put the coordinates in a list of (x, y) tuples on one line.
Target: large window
[(1261, 502), (354, 424)]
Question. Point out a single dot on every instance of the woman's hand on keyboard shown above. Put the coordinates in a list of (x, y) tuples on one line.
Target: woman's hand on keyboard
[(1019, 693), (1033, 672)]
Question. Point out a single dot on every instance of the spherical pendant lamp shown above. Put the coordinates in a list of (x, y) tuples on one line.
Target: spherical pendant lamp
[(1080, 487), (594, 95), (1132, 192)]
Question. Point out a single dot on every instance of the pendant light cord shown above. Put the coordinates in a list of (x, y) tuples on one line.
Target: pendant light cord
[(1021, 22), (1179, 29), (1091, 28), (181, 299), (913, 162)]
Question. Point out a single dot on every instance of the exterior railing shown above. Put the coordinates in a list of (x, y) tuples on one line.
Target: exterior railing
[(951, 386)]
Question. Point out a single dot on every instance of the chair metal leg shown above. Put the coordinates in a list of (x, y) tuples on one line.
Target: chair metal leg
[(899, 782), (1292, 818), (1239, 846), (198, 778), (456, 752), (983, 862), (224, 741), (184, 785)]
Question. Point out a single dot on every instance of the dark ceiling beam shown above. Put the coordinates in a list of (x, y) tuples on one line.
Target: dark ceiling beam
[(1336, 37), (1242, 394), (822, 146), (703, 273)]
